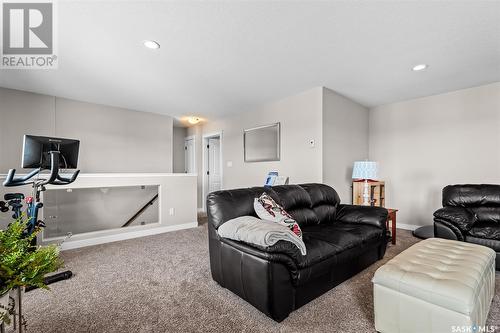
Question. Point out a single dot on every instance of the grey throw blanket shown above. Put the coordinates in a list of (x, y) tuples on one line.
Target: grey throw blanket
[(255, 231)]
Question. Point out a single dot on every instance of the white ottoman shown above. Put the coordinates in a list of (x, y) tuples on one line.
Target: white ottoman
[(433, 286)]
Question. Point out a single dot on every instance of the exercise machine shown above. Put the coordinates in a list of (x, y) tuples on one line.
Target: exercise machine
[(41, 153)]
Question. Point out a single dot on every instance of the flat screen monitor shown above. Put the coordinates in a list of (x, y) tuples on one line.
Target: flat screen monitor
[(36, 152)]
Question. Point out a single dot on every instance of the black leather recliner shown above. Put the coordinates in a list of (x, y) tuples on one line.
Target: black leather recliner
[(470, 213), (341, 240)]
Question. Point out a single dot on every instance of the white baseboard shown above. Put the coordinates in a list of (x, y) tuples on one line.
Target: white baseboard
[(407, 226), (78, 243)]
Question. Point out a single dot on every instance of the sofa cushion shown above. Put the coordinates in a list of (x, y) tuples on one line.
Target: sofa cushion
[(462, 218), (486, 230), (374, 216), (297, 202), (324, 241), (471, 195), (491, 243), (487, 215), (324, 200), (225, 205), (308, 204), (344, 235), (332, 245)]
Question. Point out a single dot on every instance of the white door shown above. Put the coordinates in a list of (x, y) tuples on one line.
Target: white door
[(189, 155), (213, 172)]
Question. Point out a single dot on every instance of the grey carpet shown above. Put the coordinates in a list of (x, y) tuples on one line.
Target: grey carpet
[(162, 283)]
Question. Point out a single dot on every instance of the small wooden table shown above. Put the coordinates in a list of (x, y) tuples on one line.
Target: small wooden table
[(392, 218)]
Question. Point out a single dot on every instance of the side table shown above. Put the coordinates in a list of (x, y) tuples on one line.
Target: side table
[(392, 218)]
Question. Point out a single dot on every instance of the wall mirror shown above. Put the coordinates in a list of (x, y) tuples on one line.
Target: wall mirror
[(262, 143)]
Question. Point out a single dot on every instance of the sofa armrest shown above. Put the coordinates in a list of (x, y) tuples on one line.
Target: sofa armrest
[(460, 217), (375, 216), (253, 275), (446, 230), (249, 249), (281, 252)]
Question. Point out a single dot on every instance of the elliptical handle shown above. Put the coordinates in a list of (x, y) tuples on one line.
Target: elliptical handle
[(54, 169), (11, 181), (9, 178), (65, 181), (54, 178)]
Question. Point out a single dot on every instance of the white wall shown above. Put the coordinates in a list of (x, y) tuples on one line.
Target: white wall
[(338, 126), (300, 118), (178, 155), (345, 140), (112, 139), (425, 144), (197, 133), (22, 113)]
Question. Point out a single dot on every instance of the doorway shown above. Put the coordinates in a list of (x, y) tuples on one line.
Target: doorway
[(212, 165), (190, 154)]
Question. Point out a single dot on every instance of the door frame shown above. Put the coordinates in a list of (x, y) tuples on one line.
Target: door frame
[(205, 139), (190, 137)]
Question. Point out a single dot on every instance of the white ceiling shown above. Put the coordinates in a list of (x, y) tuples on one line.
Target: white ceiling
[(225, 57)]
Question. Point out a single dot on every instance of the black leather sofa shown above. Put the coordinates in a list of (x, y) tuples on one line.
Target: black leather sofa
[(341, 240), (470, 213)]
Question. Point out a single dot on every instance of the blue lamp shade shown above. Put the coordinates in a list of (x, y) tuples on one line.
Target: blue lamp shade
[(365, 170)]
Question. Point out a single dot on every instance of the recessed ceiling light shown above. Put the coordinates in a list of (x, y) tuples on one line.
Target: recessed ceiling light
[(193, 120), (151, 44), (419, 67)]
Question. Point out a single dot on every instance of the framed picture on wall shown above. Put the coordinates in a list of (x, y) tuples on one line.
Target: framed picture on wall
[(262, 143)]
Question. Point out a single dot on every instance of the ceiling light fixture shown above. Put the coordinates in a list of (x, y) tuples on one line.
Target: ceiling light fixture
[(151, 44), (419, 67), (193, 120)]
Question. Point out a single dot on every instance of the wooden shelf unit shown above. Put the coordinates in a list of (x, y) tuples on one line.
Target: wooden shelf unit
[(376, 192)]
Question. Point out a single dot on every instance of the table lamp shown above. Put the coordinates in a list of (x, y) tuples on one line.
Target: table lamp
[(365, 170)]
